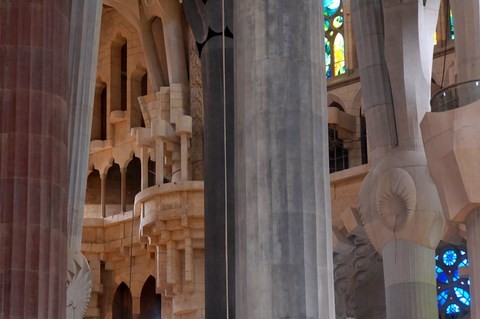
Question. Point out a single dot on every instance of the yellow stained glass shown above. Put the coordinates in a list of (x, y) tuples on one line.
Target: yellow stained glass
[(339, 54)]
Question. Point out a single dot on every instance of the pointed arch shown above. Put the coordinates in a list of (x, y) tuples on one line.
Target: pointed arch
[(150, 301)]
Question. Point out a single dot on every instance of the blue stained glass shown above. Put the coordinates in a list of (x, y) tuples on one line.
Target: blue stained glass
[(463, 263), (442, 297), (337, 22), (462, 295), (326, 25), (328, 58), (449, 257), (462, 252), (441, 276), (455, 276), (453, 308), (330, 7)]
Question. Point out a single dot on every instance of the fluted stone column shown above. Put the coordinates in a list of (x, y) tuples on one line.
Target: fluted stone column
[(82, 68), (283, 225), (34, 110)]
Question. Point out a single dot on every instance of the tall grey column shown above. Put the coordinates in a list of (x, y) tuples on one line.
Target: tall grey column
[(82, 68), (205, 19), (283, 235)]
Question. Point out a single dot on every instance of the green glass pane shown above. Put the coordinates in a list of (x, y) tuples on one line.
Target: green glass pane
[(326, 25), (337, 22), (328, 58), (330, 7), (452, 26)]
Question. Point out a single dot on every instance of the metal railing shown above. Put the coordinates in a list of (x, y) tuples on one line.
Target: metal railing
[(456, 96)]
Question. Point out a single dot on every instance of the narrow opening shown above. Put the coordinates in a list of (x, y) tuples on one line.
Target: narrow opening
[(150, 301), (103, 114), (123, 74), (363, 139), (122, 303)]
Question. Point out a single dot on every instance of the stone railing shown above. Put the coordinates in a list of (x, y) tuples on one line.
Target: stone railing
[(172, 220)]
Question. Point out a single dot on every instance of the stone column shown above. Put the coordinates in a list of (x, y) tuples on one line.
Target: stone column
[(284, 265), (85, 18), (466, 15), (144, 167), (408, 272), (123, 189), (473, 247), (159, 155), (34, 110), (398, 200), (205, 19), (103, 184)]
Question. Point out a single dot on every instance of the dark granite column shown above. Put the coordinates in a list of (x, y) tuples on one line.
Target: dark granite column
[(205, 18), (33, 158)]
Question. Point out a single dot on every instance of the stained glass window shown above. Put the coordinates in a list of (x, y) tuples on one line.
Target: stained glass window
[(452, 26), (334, 40), (453, 291)]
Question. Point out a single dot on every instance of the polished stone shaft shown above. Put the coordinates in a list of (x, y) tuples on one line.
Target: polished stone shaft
[(282, 203), (34, 37)]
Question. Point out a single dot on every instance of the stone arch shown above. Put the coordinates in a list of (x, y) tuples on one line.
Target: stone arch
[(134, 179), (336, 101), (150, 301), (99, 119), (93, 191), (118, 73), (137, 89), (122, 303), (113, 191), (357, 103)]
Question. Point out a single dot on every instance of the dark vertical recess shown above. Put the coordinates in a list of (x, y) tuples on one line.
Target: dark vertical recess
[(122, 303), (150, 301), (123, 74), (103, 114)]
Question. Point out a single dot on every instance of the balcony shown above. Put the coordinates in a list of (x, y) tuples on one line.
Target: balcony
[(456, 96)]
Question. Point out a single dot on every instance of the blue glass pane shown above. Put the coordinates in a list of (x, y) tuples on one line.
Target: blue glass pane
[(328, 58), (449, 258), (455, 275), (337, 22), (441, 276), (330, 7), (442, 298), (326, 25), (436, 257), (453, 308), (463, 263), (462, 252), (462, 295)]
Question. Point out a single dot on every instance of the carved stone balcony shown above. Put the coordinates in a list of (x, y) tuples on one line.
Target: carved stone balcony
[(172, 220)]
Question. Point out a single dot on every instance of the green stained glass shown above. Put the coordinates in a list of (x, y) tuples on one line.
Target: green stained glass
[(452, 26), (326, 25), (328, 58), (330, 7), (337, 22)]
